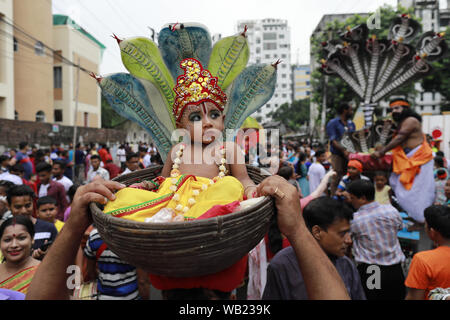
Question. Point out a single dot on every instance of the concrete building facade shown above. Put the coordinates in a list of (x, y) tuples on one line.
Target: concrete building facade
[(36, 83), (269, 41), (6, 60)]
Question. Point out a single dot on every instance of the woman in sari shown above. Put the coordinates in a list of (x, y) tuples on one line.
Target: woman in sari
[(302, 174), (16, 241)]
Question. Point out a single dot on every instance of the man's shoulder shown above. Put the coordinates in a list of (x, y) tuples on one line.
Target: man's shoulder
[(283, 257)]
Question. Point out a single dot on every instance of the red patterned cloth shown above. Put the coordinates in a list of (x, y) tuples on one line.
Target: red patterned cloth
[(370, 164)]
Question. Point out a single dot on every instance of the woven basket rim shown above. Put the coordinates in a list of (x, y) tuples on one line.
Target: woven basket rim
[(95, 210)]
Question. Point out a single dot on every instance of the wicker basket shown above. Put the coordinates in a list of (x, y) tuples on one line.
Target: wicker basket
[(185, 249)]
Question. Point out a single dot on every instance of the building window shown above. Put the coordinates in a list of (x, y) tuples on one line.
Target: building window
[(284, 85), (433, 107), (16, 45), (57, 77), (269, 36), (86, 119), (58, 115), (258, 50), (270, 46), (16, 115), (283, 55), (40, 116), (284, 95), (308, 93), (283, 75), (421, 96), (308, 83), (281, 36), (39, 48), (267, 56), (258, 40)]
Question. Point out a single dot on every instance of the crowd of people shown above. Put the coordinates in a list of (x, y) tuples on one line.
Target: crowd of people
[(352, 216)]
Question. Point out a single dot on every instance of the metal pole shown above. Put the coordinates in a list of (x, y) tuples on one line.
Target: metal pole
[(75, 119), (324, 111)]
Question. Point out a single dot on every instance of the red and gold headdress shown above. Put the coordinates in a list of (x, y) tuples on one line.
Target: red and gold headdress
[(195, 86)]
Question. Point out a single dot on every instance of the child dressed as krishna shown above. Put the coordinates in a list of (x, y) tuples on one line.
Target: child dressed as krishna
[(204, 176)]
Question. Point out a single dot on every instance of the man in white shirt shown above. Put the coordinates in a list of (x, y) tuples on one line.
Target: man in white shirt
[(58, 169), (317, 171), (97, 170), (122, 156)]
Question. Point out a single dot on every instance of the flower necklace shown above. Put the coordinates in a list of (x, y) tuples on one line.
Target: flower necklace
[(175, 174)]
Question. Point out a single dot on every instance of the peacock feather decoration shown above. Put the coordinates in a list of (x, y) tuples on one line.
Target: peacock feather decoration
[(375, 68), (146, 94)]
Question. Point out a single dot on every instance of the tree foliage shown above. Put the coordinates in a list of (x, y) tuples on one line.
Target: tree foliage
[(293, 115), (439, 79)]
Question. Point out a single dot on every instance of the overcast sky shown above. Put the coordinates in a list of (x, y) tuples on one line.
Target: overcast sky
[(129, 18)]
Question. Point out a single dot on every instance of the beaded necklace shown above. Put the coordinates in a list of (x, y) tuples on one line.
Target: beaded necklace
[(175, 175)]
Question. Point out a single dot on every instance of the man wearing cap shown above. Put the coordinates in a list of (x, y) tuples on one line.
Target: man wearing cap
[(354, 172), (412, 179), (335, 130)]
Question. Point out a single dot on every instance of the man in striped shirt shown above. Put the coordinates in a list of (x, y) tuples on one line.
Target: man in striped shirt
[(375, 244), (117, 280)]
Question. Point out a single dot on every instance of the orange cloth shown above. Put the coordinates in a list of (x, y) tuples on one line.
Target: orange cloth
[(408, 168), (356, 164), (429, 270)]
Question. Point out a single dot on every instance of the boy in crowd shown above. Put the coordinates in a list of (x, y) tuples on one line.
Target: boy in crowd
[(288, 173), (20, 202), (431, 269), (47, 187), (132, 163), (354, 172), (376, 247), (47, 210), (328, 220)]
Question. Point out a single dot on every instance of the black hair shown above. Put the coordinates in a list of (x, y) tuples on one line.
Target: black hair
[(61, 163), (18, 167), (132, 155), (23, 220), (438, 218), (156, 159), (44, 166), (439, 161), (4, 158), (45, 200), (319, 153), (380, 174), (286, 172), (22, 145), (7, 185), (72, 190), (19, 191), (440, 154), (362, 188), (96, 156), (142, 149), (323, 212), (342, 107)]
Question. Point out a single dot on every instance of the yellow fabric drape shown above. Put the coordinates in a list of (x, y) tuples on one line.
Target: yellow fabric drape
[(138, 205)]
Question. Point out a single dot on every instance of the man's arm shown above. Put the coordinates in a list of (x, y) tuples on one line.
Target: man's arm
[(415, 294), (322, 280), (337, 145), (49, 282), (407, 127)]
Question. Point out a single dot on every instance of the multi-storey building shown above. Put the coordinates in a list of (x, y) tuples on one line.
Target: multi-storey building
[(269, 41), (37, 77), (301, 82)]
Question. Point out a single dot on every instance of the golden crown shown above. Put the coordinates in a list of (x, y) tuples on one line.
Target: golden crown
[(195, 86)]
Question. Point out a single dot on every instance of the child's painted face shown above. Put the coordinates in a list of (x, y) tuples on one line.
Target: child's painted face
[(352, 172), (380, 181), (47, 212), (447, 189), (203, 122), (16, 243)]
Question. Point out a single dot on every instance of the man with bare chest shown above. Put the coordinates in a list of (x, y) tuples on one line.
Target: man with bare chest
[(412, 178)]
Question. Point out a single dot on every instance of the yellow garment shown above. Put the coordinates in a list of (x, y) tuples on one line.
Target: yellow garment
[(58, 225), (382, 197), (408, 168), (138, 205)]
